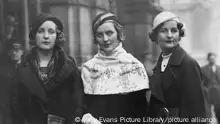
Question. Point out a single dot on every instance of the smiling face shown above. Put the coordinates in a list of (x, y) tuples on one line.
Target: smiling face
[(46, 35), (168, 35), (107, 37)]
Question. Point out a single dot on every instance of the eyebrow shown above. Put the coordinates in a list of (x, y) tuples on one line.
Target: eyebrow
[(46, 28), (167, 28), (104, 31)]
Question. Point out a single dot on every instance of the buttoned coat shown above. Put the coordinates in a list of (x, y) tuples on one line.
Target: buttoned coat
[(180, 86)]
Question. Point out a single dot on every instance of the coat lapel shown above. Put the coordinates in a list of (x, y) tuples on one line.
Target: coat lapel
[(172, 69), (29, 78), (155, 81), (208, 71), (218, 73), (177, 56)]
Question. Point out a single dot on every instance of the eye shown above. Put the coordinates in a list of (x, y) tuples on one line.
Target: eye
[(174, 30), (40, 30), (51, 31), (98, 35), (109, 33), (162, 30)]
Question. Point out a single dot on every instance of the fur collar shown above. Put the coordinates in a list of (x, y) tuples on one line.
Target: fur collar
[(63, 67)]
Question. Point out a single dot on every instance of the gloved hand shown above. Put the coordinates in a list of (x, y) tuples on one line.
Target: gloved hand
[(89, 119)]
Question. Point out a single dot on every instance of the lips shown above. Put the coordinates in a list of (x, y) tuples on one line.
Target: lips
[(169, 41), (46, 42), (107, 45)]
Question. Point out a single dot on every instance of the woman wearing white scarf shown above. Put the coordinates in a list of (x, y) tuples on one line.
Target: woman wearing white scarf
[(115, 82)]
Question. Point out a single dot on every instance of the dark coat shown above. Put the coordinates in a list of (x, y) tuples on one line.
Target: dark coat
[(179, 87), (6, 75), (61, 96), (7, 71), (115, 106)]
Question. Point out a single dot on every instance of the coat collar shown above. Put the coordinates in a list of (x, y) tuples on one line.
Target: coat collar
[(177, 56), (60, 58)]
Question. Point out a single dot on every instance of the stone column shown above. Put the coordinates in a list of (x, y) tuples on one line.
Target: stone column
[(38, 6), (2, 20), (25, 23)]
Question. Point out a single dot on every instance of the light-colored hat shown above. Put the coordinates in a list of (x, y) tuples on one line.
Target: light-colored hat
[(163, 17)]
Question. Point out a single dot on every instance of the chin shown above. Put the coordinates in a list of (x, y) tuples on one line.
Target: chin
[(46, 48), (108, 50), (170, 45)]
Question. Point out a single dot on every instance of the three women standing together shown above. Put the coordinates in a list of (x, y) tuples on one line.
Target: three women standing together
[(113, 84)]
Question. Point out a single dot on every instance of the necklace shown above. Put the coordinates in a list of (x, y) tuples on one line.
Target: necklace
[(166, 56)]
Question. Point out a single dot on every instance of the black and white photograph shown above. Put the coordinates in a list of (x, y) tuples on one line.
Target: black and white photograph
[(109, 61)]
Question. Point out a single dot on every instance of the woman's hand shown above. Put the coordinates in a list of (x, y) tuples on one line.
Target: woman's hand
[(89, 119)]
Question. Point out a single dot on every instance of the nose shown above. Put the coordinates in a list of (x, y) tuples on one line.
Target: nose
[(46, 35), (105, 37), (169, 34), (14, 52)]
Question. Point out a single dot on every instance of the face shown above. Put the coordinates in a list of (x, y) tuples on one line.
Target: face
[(16, 54), (107, 37), (9, 29), (46, 35), (212, 59), (168, 35)]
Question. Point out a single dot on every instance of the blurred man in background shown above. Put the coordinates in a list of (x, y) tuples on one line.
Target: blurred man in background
[(8, 67), (8, 61), (212, 83)]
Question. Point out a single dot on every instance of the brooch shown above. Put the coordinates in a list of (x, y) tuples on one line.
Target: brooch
[(43, 77)]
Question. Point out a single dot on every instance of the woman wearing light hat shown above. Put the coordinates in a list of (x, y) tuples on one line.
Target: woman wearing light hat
[(176, 84), (115, 83)]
